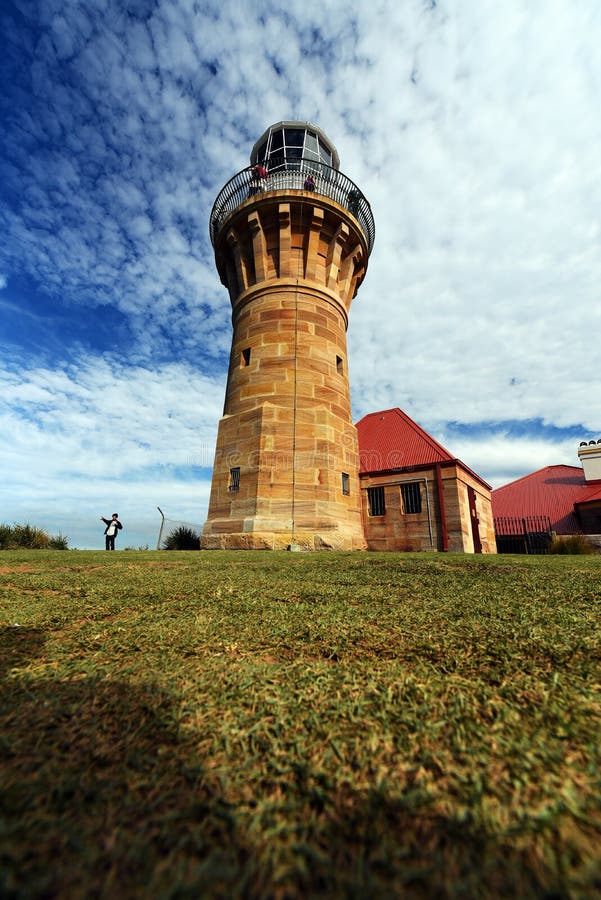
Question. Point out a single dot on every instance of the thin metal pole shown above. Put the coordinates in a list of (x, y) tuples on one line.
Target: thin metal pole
[(161, 528)]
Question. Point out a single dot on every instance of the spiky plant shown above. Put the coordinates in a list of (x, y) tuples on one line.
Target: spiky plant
[(182, 538)]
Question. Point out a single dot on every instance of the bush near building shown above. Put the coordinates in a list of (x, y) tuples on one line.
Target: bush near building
[(574, 544)]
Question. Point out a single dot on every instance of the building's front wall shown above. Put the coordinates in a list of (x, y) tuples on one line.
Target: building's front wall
[(397, 530), (589, 517), (401, 530), (456, 482)]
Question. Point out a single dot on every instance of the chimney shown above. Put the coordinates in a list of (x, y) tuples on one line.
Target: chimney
[(589, 454)]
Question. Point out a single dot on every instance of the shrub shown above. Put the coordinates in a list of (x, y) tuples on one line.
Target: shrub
[(28, 537), (574, 544), (5, 536), (182, 538)]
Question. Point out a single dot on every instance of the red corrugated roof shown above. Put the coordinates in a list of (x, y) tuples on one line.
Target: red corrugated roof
[(592, 493), (391, 440), (552, 491)]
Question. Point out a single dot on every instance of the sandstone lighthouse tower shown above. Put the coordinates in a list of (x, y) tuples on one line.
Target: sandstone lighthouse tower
[(292, 236)]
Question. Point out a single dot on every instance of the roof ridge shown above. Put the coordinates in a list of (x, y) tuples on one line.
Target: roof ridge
[(537, 472), (431, 441)]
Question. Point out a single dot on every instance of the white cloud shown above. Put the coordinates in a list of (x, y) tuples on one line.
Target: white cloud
[(106, 434), (506, 457)]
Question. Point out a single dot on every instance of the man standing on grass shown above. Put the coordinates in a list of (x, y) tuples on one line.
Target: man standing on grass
[(112, 527)]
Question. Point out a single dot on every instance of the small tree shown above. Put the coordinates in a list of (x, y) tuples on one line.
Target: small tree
[(182, 538)]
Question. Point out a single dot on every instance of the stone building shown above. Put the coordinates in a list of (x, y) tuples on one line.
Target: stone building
[(292, 236), (415, 495)]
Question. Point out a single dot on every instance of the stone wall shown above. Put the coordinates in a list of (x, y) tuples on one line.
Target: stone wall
[(399, 530), (291, 267)]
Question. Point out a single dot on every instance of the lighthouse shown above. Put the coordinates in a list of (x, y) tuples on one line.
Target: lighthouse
[(292, 236)]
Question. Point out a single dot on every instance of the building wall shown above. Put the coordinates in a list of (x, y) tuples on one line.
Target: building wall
[(399, 530), (589, 518), (459, 523)]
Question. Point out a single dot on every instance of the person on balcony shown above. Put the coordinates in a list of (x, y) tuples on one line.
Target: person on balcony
[(258, 180), (309, 183)]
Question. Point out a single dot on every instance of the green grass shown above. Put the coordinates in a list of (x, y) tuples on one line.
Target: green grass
[(276, 725)]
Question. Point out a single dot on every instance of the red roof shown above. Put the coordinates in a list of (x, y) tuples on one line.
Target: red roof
[(391, 440), (553, 491)]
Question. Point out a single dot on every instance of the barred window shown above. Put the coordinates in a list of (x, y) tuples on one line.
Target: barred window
[(346, 483), (234, 484), (376, 501), (412, 497)]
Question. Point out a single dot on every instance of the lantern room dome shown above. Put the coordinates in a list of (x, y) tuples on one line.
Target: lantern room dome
[(285, 144)]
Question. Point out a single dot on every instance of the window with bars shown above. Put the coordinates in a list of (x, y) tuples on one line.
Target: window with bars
[(346, 483), (376, 501), (412, 497), (234, 484)]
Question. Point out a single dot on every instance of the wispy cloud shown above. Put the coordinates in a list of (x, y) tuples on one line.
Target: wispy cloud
[(107, 433)]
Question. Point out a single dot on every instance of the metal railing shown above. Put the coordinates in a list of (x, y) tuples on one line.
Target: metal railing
[(328, 181)]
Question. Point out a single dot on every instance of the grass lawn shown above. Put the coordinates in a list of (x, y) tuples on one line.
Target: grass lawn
[(281, 725)]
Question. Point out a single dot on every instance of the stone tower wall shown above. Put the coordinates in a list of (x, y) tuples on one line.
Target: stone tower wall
[(292, 263)]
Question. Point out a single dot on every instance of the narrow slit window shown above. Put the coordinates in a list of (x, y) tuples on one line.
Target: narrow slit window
[(234, 484), (376, 501), (245, 358), (339, 365), (346, 483), (412, 498)]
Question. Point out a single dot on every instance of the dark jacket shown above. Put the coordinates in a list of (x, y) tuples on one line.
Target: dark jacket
[(108, 522)]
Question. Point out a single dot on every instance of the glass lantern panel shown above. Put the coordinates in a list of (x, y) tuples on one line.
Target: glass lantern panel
[(277, 141), (295, 137), (293, 157), (310, 143)]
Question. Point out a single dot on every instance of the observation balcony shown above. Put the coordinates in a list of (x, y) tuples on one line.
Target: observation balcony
[(287, 175)]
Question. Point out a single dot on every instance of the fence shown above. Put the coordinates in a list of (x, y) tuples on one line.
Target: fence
[(328, 181), (527, 534)]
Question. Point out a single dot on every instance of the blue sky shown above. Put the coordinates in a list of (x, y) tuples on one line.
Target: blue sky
[(473, 129)]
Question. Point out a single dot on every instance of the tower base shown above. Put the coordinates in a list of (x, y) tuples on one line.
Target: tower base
[(329, 539)]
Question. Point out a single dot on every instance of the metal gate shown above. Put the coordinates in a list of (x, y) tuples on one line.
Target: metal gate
[(527, 534)]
